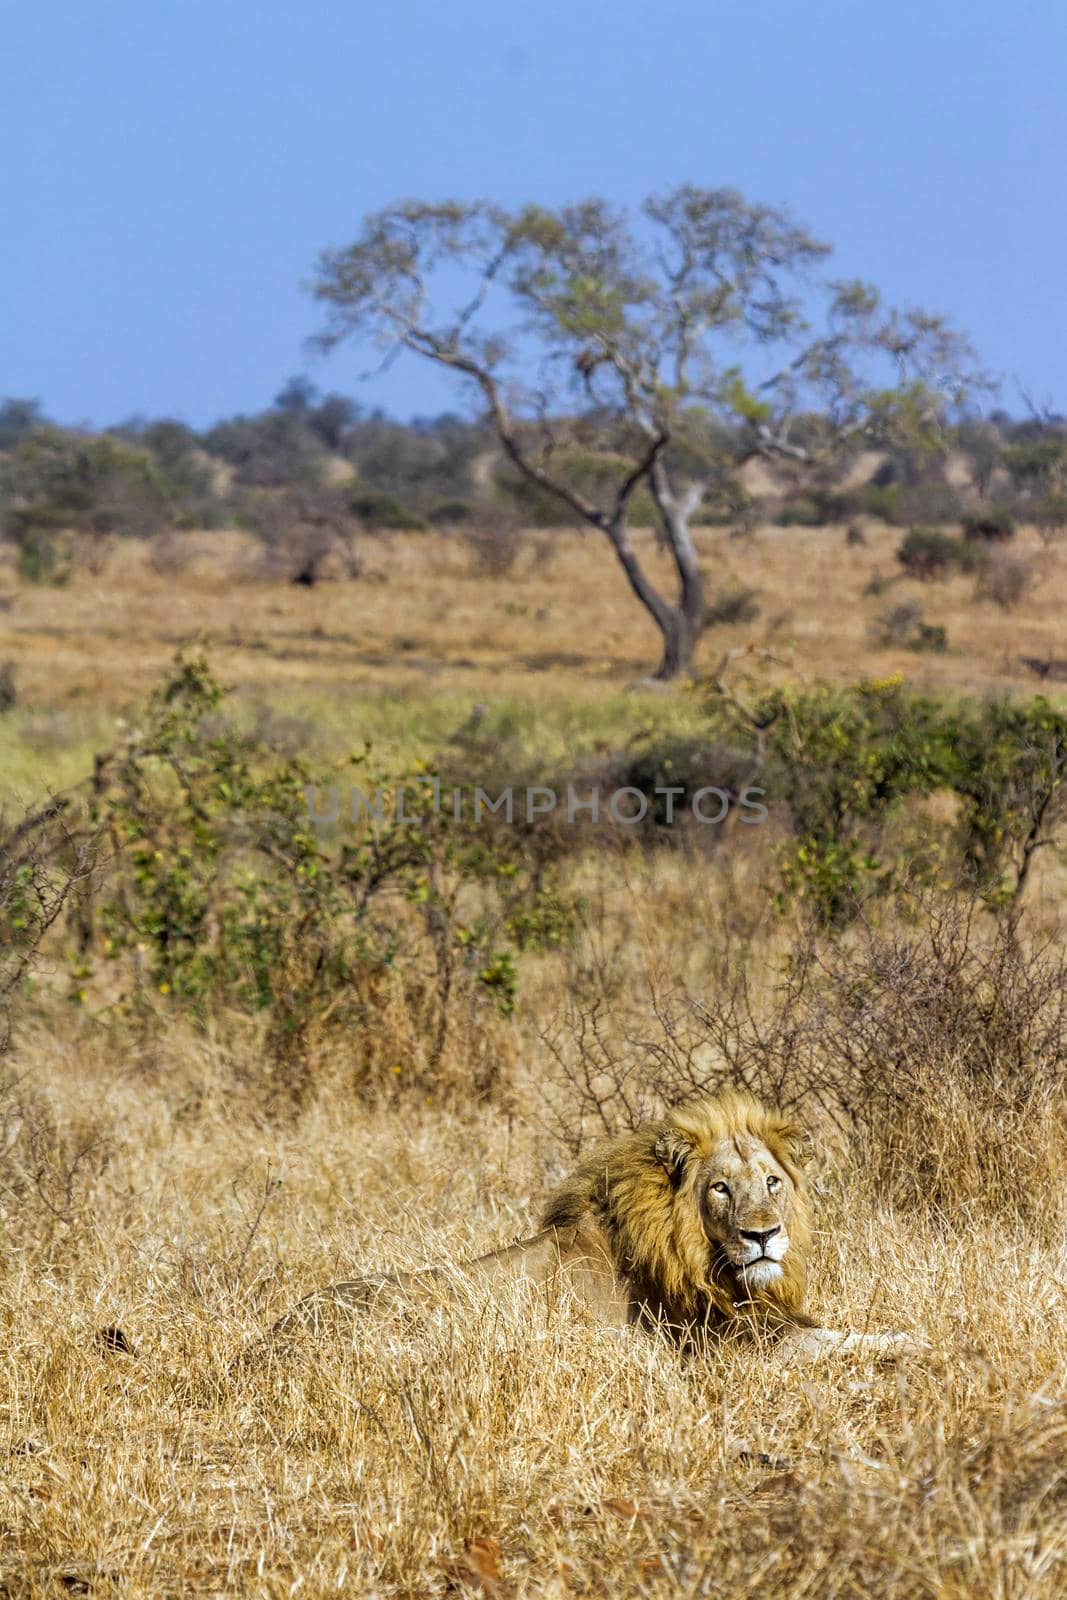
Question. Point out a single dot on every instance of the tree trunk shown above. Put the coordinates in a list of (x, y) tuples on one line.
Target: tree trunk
[(687, 622), (679, 646), (691, 608), (679, 625)]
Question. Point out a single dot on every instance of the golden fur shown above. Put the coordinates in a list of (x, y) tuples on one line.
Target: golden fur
[(695, 1224), (641, 1191)]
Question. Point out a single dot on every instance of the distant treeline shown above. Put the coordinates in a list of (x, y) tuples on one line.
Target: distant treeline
[(312, 469)]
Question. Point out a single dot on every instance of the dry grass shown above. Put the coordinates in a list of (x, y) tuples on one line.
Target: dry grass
[(403, 1462), (503, 1450), (425, 618)]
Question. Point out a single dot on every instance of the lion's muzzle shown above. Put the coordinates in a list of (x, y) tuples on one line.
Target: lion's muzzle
[(757, 1255)]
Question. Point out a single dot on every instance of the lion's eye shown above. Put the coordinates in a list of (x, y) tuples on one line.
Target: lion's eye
[(720, 1188), (773, 1182)]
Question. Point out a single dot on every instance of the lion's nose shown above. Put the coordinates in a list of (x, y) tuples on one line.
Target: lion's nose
[(760, 1238)]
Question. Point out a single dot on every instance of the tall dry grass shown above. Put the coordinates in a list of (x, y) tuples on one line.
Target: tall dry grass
[(507, 1448), (148, 1183)]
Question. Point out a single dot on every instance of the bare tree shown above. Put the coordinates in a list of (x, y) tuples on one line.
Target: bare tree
[(679, 347)]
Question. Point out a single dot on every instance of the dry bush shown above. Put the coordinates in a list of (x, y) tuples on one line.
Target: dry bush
[(47, 1171), (939, 1045), (46, 862), (897, 625), (734, 604), (948, 1041), (169, 554), (1005, 579), (305, 555), (93, 552), (305, 535), (543, 545), (495, 541), (905, 625)]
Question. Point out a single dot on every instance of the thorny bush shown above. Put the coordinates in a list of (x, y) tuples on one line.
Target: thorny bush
[(227, 900)]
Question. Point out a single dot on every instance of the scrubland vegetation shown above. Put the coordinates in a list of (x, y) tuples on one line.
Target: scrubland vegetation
[(245, 1054)]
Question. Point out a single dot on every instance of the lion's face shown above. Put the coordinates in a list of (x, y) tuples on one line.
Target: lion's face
[(746, 1199)]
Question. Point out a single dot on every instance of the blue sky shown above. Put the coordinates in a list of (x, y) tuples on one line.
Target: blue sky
[(172, 167)]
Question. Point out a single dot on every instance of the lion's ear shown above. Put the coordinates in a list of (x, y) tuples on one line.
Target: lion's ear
[(799, 1143), (673, 1151)]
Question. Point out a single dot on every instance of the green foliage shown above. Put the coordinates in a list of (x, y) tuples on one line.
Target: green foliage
[(449, 513), (1036, 461), (882, 501), (545, 919), (44, 556), (930, 636), (994, 525), (902, 505), (1049, 514), (423, 462), (231, 896), (181, 460), (268, 451), (381, 511), (816, 508), (840, 761), (1039, 462), (1010, 767), (56, 480), (928, 553), (799, 511), (838, 764), (18, 419)]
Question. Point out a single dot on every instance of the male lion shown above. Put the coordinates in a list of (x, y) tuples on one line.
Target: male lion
[(697, 1225)]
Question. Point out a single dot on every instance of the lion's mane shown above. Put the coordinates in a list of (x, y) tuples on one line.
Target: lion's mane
[(649, 1214)]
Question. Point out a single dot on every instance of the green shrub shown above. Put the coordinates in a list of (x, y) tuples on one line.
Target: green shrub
[(927, 553), (269, 451), (816, 508), (902, 505), (449, 513), (1036, 462), (799, 512), (229, 896), (838, 763), (904, 625), (1049, 514), (994, 525), (379, 510), (882, 501), (929, 636), (18, 419), (96, 483), (44, 557)]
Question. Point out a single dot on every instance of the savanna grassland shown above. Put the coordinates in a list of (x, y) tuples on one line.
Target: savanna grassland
[(189, 1141)]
